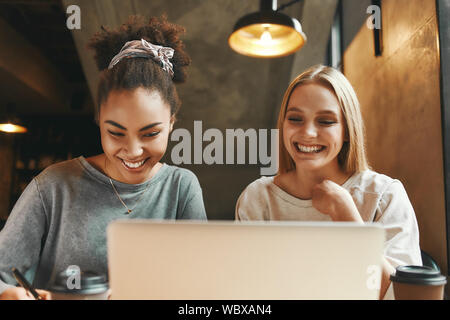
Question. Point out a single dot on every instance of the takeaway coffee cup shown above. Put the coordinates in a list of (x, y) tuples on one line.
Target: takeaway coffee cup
[(70, 285), (418, 283)]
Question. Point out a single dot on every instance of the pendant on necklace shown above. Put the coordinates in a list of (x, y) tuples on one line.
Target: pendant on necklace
[(129, 211)]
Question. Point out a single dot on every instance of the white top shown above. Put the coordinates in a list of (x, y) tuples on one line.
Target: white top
[(378, 198)]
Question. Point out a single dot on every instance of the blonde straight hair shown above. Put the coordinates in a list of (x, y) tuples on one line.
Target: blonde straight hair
[(352, 157)]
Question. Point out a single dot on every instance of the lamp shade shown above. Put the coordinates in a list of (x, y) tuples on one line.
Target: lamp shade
[(267, 34), (12, 128), (9, 122)]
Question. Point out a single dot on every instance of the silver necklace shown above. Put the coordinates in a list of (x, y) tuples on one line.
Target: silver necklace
[(118, 196)]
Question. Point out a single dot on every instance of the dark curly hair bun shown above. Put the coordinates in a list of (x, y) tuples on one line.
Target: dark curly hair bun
[(140, 72), (107, 43)]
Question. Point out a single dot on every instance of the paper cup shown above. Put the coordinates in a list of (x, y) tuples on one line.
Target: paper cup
[(418, 283)]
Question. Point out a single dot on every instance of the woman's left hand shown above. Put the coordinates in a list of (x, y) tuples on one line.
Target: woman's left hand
[(332, 199)]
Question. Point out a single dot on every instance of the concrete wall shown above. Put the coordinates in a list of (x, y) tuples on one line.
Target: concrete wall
[(400, 98), (355, 15)]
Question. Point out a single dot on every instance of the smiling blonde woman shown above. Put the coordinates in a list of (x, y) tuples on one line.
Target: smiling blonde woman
[(323, 172)]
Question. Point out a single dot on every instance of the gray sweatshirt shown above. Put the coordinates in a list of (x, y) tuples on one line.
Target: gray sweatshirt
[(61, 217)]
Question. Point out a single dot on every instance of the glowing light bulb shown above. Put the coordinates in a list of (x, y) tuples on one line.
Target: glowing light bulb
[(266, 37), (11, 128), (8, 127)]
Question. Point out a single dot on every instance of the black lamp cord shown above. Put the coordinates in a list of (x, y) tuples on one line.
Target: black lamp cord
[(284, 6)]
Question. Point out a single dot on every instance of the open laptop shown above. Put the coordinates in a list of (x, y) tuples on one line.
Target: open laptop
[(193, 260)]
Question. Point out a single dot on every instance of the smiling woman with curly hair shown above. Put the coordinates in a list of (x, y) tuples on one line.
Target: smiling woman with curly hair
[(60, 219)]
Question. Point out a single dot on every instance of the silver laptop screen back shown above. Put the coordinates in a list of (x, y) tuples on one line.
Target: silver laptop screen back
[(176, 260)]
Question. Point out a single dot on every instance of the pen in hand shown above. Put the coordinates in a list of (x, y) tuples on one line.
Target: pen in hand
[(25, 284)]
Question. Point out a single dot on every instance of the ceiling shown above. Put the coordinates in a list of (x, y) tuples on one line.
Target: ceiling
[(40, 26), (40, 21), (45, 68)]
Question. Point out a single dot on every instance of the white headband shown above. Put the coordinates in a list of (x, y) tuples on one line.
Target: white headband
[(144, 49)]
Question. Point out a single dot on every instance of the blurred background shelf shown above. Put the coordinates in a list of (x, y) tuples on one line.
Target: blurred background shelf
[(49, 140)]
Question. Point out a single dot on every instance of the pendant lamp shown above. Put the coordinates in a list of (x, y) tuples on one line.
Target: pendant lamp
[(267, 33), (10, 123)]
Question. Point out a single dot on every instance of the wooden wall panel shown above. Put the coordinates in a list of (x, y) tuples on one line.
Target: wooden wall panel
[(400, 100)]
